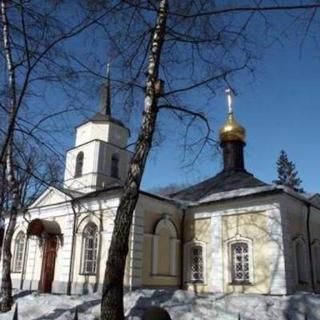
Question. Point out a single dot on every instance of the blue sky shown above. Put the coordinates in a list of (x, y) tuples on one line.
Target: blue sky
[(279, 109), (278, 106)]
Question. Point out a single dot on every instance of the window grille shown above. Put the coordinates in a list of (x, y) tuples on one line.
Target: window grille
[(240, 262), (197, 264)]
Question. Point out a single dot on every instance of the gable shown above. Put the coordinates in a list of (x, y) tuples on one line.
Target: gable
[(50, 197)]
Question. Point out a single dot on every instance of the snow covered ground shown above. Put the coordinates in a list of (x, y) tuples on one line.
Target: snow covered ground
[(181, 305)]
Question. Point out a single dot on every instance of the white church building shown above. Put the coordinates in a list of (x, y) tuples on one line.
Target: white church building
[(229, 233)]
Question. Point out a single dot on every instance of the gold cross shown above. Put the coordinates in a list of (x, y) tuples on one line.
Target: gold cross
[(229, 99)]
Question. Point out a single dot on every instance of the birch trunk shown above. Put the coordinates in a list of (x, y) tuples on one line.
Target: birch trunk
[(11, 79), (112, 292), (6, 284)]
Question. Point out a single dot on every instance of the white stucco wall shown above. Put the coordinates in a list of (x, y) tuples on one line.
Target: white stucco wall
[(217, 272)]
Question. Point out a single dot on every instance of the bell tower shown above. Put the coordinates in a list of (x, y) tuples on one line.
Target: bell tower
[(99, 158)]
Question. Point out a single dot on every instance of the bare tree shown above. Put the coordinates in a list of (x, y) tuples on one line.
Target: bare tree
[(210, 45), (112, 295), (33, 34), (192, 46)]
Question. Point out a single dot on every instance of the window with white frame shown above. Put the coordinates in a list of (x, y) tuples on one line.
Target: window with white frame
[(18, 252), (197, 263), (240, 262), (300, 253), (89, 251)]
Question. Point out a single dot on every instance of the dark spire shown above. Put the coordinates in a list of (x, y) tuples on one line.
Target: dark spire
[(105, 104)]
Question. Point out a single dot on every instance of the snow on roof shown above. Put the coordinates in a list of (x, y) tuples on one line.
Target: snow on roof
[(236, 193), (223, 182)]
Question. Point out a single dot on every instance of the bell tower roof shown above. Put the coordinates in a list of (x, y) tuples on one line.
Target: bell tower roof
[(104, 114)]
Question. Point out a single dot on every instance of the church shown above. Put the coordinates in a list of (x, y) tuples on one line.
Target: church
[(229, 233)]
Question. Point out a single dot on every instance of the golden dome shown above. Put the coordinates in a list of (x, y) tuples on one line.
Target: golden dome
[(232, 130)]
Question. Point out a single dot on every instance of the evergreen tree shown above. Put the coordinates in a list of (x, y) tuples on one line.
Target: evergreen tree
[(287, 173)]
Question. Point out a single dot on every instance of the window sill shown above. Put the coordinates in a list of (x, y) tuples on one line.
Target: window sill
[(87, 274), (197, 283), (163, 275), (240, 283)]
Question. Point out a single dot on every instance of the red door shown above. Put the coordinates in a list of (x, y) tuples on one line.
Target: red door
[(48, 264)]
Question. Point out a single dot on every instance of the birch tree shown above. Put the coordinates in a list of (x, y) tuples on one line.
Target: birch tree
[(202, 26), (112, 294), (10, 177)]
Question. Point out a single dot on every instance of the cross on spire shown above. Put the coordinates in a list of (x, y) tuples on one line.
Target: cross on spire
[(229, 100), (105, 104)]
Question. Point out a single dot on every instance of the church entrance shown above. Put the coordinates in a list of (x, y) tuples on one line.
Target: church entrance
[(48, 264), (48, 233)]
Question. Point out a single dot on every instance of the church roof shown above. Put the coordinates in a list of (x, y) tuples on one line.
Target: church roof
[(104, 115), (100, 117), (222, 182)]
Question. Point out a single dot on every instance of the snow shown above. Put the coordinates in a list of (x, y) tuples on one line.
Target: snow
[(236, 193), (181, 305)]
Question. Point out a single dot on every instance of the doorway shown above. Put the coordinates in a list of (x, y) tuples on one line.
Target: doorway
[(48, 264)]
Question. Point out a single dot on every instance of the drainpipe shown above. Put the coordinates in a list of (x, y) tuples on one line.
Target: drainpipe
[(309, 245), (182, 247), (70, 277)]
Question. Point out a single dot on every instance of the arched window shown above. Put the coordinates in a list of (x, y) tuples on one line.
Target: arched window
[(89, 249), (164, 258), (115, 166), (240, 264), (197, 263), (194, 252), (79, 164), (18, 252), (300, 253)]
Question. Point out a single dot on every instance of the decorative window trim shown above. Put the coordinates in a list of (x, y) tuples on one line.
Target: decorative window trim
[(168, 224), (229, 259), (315, 246), (187, 251), (303, 278), (83, 250), (17, 267), (78, 169)]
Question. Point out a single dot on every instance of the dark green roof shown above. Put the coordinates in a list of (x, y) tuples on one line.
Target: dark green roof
[(100, 117)]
